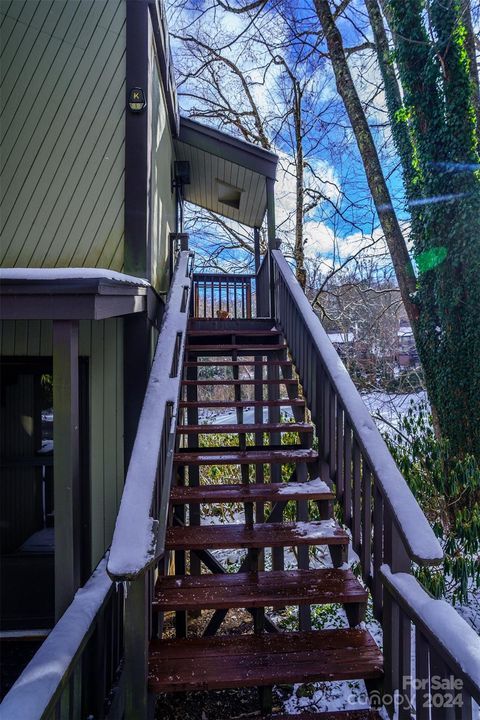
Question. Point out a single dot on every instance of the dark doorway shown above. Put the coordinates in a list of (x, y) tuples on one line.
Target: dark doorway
[(27, 513)]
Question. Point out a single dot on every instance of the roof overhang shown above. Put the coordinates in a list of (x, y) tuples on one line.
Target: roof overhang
[(71, 294), (220, 163)]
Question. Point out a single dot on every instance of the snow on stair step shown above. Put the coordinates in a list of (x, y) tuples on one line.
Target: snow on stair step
[(286, 534)]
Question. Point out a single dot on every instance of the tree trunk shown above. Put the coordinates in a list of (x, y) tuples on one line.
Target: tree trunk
[(299, 254), (392, 91), (472, 56), (373, 170)]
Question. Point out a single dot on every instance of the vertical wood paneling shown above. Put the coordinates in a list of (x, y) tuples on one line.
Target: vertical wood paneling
[(62, 147), (162, 200)]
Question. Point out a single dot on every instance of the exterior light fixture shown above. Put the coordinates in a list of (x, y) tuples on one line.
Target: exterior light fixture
[(181, 174), (136, 100)]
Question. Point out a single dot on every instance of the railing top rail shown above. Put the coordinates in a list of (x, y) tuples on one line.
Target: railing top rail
[(39, 687), (446, 632), (415, 531), (134, 542), (222, 276)]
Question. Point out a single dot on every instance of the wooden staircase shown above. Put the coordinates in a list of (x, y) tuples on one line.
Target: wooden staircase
[(248, 361)]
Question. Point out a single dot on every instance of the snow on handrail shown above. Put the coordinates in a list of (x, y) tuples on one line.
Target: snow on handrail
[(134, 544), (35, 693), (449, 634), (415, 531)]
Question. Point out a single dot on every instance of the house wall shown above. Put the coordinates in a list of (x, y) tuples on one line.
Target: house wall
[(102, 343), (62, 100), (162, 199)]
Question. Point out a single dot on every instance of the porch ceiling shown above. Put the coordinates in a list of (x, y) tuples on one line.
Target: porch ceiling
[(227, 175)]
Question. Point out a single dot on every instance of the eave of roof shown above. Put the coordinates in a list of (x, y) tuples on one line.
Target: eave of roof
[(71, 294), (228, 147)]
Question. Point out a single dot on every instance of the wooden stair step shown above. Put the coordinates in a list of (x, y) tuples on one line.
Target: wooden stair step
[(245, 457), (236, 363), (241, 403), (263, 589), (253, 492), (241, 348), (286, 534), (263, 381), (241, 428), (232, 661), (235, 331), (339, 715)]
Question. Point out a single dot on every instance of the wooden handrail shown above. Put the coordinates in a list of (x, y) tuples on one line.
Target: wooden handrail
[(38, 692), (441, 635), (137, 539), (415, 532)]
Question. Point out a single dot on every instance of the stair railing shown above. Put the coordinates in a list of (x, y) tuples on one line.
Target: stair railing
[(139, 537), (223, 295), (76, 667), (388, 528)]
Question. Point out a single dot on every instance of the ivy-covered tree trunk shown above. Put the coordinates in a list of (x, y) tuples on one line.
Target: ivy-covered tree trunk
[(443, 185)]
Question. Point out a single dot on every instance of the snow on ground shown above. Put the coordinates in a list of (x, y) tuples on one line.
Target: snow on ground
[(387, 409)]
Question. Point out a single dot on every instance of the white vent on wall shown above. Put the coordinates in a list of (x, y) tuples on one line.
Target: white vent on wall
[(229, 194)]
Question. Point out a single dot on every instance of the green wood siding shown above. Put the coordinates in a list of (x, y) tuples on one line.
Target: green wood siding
[(62, 105), (102, 343), (162, 208)]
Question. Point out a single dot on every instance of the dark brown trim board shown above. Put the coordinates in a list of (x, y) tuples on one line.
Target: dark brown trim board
[(136, 141)]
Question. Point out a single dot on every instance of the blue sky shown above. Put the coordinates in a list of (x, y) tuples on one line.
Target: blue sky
[(345, 220)]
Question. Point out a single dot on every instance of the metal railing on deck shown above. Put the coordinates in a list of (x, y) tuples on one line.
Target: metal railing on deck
[(139, 537), (389, 530), (223, 295), (77, 666)]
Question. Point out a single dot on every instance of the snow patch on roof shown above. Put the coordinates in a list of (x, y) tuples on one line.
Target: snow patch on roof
[(71, 273)]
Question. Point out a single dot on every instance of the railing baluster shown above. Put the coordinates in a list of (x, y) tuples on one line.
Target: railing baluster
[(340, 445), (465, 710), (357, 492), (441, 699), (347, 464), (391, 650), (325, 414), (332, 432), (377, 587), (366, 555), (405, 664), (422, 674)]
